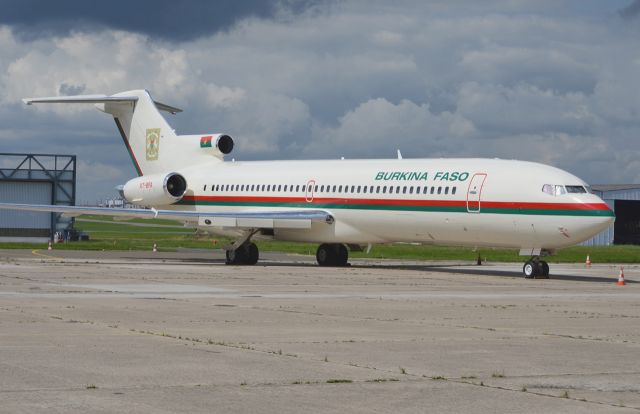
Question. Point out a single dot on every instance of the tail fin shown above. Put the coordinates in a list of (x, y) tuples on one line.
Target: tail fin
[(150, 140)]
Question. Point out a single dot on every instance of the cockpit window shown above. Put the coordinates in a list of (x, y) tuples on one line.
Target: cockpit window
[(575, 189), (556, 190)]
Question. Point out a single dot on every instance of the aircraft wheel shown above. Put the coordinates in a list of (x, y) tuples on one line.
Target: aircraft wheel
[(342, 255), (232, 257), (332, 254), (247, 254), (544, 269), (530, 269), (325, 255), (252, 253)]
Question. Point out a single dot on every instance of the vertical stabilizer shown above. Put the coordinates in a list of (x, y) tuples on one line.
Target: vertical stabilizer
[(152, 144)]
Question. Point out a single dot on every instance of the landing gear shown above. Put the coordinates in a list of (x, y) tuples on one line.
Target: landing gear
[(332, 255), (246, 254), (536, 268)]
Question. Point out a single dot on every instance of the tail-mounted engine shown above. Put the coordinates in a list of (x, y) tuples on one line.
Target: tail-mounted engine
[(155, 190), (218, 144)]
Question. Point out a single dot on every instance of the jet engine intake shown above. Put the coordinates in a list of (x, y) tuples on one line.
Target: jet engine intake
[(224, 143), (155, 190)]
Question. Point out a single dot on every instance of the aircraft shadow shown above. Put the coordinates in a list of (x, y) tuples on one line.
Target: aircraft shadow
[(451, 269)]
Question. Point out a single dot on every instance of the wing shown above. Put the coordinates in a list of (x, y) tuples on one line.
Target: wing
[(296, 219)]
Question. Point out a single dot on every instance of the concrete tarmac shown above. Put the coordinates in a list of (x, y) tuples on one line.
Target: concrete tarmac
[(143, 332)]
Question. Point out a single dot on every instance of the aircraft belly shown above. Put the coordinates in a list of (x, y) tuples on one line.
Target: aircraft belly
[(446, 228)]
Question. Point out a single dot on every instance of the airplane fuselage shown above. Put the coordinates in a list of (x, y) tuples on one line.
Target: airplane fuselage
[(468, 202)]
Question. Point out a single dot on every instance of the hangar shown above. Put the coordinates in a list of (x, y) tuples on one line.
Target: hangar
[(624, 200), (35, 179)]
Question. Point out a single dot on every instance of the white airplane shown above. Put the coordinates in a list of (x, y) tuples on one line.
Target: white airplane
[(340, 203)]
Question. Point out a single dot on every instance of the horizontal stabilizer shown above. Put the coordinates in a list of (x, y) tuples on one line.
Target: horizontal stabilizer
[(97, 99)]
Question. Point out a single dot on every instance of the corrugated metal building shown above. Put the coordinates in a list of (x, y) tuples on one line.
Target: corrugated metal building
[(35, 179), (624, 200)]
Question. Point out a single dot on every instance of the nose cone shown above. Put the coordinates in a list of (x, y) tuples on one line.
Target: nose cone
[(602, 216)]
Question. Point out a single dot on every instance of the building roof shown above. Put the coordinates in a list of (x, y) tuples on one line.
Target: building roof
[(614, 187)]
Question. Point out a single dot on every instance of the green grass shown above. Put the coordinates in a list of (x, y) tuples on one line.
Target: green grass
[(109, 234)]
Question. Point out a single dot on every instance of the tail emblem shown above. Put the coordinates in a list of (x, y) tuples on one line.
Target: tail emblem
[(153, 143)]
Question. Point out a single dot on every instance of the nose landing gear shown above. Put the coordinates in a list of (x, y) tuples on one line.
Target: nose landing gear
[(536, 268)]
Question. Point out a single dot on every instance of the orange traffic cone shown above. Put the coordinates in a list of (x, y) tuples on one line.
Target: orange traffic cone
[(50, 246), (621, 277), (587, 263), (155, 248)]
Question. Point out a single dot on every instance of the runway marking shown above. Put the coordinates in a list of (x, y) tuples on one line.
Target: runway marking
[(37, 253)]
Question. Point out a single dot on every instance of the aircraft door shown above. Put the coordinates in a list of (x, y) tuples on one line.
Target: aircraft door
[(474, 192), (310, 190)]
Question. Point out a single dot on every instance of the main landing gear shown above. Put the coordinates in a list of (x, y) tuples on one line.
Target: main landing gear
[(535, 268), (332, 254), (328, 254), (246, 254)]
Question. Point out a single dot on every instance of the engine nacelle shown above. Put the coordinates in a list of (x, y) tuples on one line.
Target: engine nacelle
[(155, 190), (217, 143)]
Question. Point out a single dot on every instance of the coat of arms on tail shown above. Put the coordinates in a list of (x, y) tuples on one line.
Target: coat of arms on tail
[(153, 143)]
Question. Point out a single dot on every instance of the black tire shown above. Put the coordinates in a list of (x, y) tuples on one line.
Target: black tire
[(544, 269), (252, 254), (238, 256), (530, 269), (230, 257), (325, 255), (342, 256)]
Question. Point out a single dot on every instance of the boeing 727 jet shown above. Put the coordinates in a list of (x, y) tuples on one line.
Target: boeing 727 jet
[(340, 204)]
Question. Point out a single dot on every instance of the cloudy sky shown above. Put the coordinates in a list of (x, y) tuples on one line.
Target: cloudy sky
[(553, 81)]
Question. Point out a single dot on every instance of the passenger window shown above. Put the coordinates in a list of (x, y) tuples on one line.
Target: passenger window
[(371, 189), (353, 189), (377, 189), (364, 189), (339, 189), (433, 190), (453, 190), (398, 190), (384, 189), (297, 188), (446, 190), (358, 190), (390, 189), (425, 189), (439, 190), (411, 190)]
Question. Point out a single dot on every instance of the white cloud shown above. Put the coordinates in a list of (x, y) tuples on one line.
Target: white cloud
[(545, 81)]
